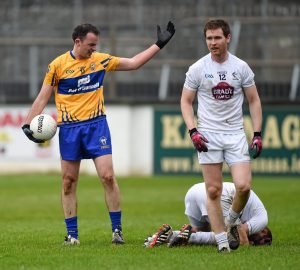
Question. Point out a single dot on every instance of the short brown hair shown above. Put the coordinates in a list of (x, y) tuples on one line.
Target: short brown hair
[(82, 30), (258, 240), (215, 24)]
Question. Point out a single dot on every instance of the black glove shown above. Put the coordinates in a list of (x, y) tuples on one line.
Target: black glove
[(28, 132), (164, 37)]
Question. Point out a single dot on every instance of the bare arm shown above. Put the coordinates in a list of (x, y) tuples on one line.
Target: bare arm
[(254, 107), (186, 104), (138, 60), (40, 102), (243, 233), (163, 37)]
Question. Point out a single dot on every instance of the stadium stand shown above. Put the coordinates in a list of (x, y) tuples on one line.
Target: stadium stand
[(265, 33)]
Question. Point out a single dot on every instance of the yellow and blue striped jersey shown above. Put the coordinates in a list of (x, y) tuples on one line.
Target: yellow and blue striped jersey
[(78, 85)]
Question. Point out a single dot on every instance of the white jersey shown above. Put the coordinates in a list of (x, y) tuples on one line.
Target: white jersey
[(254, 213), (220, 92)]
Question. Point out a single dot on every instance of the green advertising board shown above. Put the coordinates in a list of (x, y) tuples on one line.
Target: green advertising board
[(174, 152)]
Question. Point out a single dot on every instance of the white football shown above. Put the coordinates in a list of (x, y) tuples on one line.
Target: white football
[(43, 127)]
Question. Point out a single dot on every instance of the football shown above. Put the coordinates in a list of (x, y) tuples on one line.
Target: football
[(43, 127)]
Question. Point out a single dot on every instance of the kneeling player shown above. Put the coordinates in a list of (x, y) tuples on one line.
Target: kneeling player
[(252, 224)]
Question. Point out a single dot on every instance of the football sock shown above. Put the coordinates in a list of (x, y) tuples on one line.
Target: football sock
[(232, 217), (202, 238), (115, 218), (221, 239), (71, 224)]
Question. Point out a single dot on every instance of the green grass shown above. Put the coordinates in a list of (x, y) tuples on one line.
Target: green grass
[(32, 226)]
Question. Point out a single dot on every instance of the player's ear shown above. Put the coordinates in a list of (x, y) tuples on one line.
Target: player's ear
[(228, 38), (77, 41)]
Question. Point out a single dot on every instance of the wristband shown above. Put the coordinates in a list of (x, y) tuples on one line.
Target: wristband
[(159, 44), (191, 131), (257, 134)]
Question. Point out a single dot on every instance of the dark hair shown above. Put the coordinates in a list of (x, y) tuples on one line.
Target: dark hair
[(261, 240), (82, 30), (215, 24)]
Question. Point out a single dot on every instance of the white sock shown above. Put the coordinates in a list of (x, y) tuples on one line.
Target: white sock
[(174, 234), (232, 217), (221, 239), (202, 238)]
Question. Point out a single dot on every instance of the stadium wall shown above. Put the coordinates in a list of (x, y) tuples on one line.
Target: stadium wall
[(151, 140), (131, 130)]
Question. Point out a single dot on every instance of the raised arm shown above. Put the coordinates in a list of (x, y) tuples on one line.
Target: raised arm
[(163, 37)]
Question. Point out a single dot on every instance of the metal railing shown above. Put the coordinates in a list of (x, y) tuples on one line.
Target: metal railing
[(267, 36)]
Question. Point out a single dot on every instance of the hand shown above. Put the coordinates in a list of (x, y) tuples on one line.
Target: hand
[(242, 229), (28, 132), (256, 144), (164, 37), (198, 140)]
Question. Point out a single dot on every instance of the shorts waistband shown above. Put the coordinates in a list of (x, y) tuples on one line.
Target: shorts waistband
[(79, 123), (225, 132)]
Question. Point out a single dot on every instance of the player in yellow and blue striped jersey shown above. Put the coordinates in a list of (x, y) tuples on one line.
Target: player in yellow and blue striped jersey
[(76, 78)]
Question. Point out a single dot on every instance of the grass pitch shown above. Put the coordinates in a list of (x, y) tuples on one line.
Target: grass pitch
[(32, 226)]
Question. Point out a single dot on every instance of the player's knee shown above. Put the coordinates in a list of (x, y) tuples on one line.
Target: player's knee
[(213, 192), (108, 179), (68, 184), (243, 188)]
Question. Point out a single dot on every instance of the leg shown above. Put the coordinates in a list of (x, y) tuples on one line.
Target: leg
[(104, 167), (241, 175), (212, 174), (202, 238), (237, 157), (70, 172)]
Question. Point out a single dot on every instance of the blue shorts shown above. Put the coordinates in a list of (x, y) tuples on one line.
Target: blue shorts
[(85, 140)]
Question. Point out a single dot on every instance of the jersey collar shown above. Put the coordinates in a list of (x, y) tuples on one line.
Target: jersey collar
[(72, 55)]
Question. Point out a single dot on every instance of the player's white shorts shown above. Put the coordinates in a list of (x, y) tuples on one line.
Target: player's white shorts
[(232, 148), (195, 206)]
